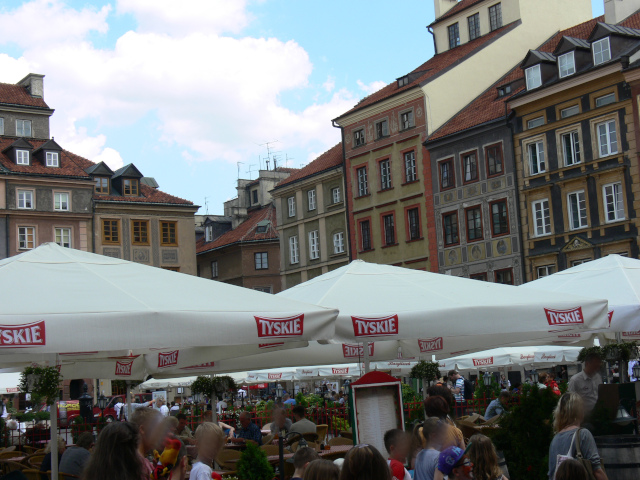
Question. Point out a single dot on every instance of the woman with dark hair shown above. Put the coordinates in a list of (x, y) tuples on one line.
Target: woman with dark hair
[(321, 470), (571, 469), (483, 455), (442, 391), (365, 462), (437, 406), (115, 454)]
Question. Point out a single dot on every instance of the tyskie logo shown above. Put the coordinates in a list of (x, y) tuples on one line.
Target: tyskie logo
[(631, 334), (340, 371), (375, 327), (274, 376), (280, 327), (27, 335), (356, 351), (564, 317), (430, 344), (482, 362), (167, 359), (270, 345), (123, 369), (202, 366)]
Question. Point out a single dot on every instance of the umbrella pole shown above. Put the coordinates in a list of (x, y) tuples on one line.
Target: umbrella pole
[(367, 359), (54, 432), (128, 395)]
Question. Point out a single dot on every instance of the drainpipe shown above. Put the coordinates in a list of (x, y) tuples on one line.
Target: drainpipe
[(93, 224), (515, 180), (6, 217), (344, 176), (435, 46)]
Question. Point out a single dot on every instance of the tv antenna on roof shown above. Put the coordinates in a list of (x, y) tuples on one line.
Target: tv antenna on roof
[(238, 164), (206, 206), (270, 152), (251, 166)]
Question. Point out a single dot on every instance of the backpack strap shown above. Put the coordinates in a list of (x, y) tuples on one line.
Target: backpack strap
[(578, 450)]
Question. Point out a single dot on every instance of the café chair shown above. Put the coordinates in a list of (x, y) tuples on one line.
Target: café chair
[(33, 474), (227, 459), (12, 454), (270, 449), (322, 430), (310, 437), (340, 441), (34, 461)]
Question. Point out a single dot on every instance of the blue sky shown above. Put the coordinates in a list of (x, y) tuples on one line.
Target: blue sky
[(185, 90)]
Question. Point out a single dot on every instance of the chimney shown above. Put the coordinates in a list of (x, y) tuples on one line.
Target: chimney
[(615, 11), (443, 6), (34, 83)]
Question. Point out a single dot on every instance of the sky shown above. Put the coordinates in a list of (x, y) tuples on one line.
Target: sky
[(194, 92)]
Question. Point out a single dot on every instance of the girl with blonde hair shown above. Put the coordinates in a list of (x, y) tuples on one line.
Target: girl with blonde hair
[(483, 455)]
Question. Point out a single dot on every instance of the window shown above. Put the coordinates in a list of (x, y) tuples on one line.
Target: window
[(385, 175), (208, 233), (495, 16), (470, 165), (474, 26), (254, 197), (605, 100), (382, 129), (504, 276), (311, 197), (102, 185), (389, 228), (406, 120), (535, 122), (613, 202), (577, 210), (474, 223), (502, 91), (363, 186), (410, 173), (607, 138), (214, 269), (545, 270), (580, 261), (26, 238), (335, 195), (111, 232), (454, 35), (314, 245), (402, 81), (1, 126), (365, 234), (338, 242), (447, 178), (493, 155), (23, 128), (168, 233), (499, 218), (25, 199), (63, 237), (479, 276), (571, 148), (263, 289), (541, 217), (261, 260), (52, 159), (61, 202), (291, 203), (140, 232), (601, 51), (450, 222), (534, 78), (569, 111), (294, 254), (130, 187), (22, 157), (536, 158), (566, 65), (413, 223), (358, 137)]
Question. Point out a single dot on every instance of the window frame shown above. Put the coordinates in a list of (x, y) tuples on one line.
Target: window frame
[(383, 226), (314, 245), (562, 110), (312, 203), (413, 167), (261, 262), (503, 270), (147, 232), (539, 146), (338, 248), (62, 230), (385, 178), (21, 153), (486, 156), (444, 228), (607, 123), (454, 40), (291, 207), (504, 202), (546, 267), (575, 148), (529, 73), (475, 19), (361, 222), (294, 250), (33, 234), (463, 157), (616, 210), (451, 164), (362, 192), (1, 125), (175, 232), (407, 210), (22, 124), (254, 196), (380, 126), (569, 71), (99, 190), (108, 240), (570, 210), (32, 195), (608, 50), (496, 22), (411, 120), (359, 137), (480, 276), (133, 182), (55, 195), (333, 195), (477, 207), (215, 273), (606, 95), (208, 233), (52, 164), (535, 220)]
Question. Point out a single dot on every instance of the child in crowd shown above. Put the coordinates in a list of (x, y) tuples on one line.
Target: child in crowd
[(364, 462), (209, 439), (147, 422), (427, 459), (301, 459), (322, 470), (454, 463), (398, 444), (485, 459)]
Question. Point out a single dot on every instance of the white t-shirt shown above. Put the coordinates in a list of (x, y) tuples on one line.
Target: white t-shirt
[(164, 410), (200, 471)]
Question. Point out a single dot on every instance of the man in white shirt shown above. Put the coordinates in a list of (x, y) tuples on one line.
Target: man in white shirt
[(221, 405), (134, 406), (5, 409), (587, 381), (302, 424)]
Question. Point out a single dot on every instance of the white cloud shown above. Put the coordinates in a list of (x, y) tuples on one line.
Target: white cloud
[(329, 84), (372, 87), (77, 141)]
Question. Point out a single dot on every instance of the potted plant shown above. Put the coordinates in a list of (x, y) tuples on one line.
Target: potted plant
[(253, 464), (43, 383), (427, 371)]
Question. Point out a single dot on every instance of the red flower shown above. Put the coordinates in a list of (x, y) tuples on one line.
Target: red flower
[(529, 468)]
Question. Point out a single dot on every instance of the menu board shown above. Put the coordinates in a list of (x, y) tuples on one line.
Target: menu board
[(377, 410)]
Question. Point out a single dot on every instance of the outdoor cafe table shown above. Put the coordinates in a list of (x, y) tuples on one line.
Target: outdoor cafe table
[(334, 450)]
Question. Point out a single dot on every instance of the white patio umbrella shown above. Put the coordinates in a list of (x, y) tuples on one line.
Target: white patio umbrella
[(9, 383), (500, 357), (329, 372), (267, 376), (156, 383), (614, 277), (429, 310)]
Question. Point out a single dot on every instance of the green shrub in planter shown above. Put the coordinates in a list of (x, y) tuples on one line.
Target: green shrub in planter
[(40, 416), (253, 464)]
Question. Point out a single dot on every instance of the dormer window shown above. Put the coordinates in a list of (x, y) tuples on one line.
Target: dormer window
[(52, 159), (102, 185), (23, 128), (208, 233), (130, 187), (534, 78), (504, 90), (402, 81), (566, 65), (22, 157), (601, 51)]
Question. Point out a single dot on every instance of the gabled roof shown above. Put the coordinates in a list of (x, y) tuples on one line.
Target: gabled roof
[(571, 43), (328, 160), (99, 169), (535, 56), (431, 68), (459, 7), (11, 94), (603, 29), (50, 145), (19, 143), (127, 171), (245, 232)]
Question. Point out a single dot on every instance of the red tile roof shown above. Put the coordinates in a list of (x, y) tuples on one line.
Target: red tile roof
[(434, 66), (462, 5), (245, 232), (18, 95), (329, 159), (488, 107)]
